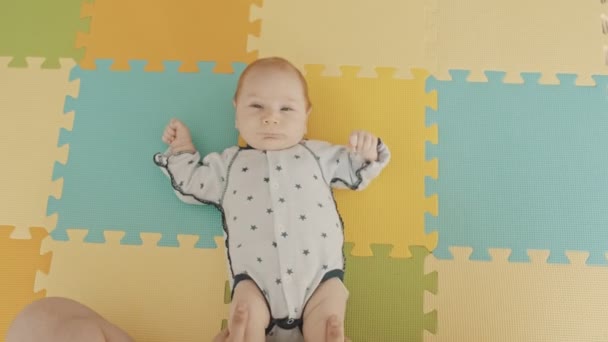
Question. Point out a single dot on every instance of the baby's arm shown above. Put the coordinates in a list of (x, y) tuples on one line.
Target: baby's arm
[(193, 181), (343, 168)]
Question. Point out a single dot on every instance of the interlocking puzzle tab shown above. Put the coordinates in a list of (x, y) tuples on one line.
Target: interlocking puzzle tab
[(20, 260), (119, 118), (391, 209), (386, 295), (32, 101), (521, 166), (176, 293), (187, 31), (503, 301), (25, 31)]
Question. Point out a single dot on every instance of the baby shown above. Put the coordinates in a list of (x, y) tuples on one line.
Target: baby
[(282, 230)]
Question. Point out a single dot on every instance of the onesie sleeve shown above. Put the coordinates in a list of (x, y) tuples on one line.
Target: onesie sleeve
[(343, 169), (196, 181)]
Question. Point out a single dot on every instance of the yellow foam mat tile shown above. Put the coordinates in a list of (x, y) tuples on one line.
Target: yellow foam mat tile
[(188, 31), (391, 210), (154, 293), (32, 101), (536, 36), (20, 260), (394, 33), (503, 301)]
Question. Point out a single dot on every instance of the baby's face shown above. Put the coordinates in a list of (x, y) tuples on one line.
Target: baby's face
[(271, 110)]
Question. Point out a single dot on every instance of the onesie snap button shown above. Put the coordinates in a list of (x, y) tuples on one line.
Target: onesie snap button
[(288, 323)]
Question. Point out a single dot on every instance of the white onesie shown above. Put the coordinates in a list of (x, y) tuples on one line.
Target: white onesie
[(282, 228)]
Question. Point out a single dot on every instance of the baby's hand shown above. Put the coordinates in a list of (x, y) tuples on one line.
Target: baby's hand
[(177, 136), (365, 144)]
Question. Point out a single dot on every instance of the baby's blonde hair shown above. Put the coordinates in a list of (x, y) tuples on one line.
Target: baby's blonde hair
[(277, 63)]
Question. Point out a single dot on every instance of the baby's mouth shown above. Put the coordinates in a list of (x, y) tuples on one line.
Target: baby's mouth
[(271, 135)]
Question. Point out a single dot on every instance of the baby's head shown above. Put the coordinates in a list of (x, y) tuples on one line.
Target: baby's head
[(272, 104)]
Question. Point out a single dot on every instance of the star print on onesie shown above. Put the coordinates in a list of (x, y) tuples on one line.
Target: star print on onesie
[(282, 228)]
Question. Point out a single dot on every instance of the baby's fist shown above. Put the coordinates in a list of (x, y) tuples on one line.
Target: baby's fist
[(365, 144), (177, 136)]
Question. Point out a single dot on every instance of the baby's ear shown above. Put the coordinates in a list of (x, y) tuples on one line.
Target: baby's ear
[(234, 103)]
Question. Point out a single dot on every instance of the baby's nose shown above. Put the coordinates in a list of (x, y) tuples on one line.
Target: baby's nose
[(271, 118), (271, 121)]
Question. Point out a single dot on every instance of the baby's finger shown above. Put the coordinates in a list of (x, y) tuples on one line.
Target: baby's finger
[(168, 137), (364, 141), (361, 141), (175, 124), (353, 139), (369, 142)]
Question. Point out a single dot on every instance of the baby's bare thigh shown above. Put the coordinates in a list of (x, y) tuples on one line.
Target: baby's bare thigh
[(329, 299)]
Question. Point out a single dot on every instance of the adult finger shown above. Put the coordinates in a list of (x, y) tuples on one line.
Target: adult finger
[(221, 336), (334, 330), (239, 324)]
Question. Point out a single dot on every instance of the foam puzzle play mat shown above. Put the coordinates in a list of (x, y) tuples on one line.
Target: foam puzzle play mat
[(490, 222)]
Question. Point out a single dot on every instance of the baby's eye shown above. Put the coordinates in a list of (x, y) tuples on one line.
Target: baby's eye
[(286, 108), (255, 105)]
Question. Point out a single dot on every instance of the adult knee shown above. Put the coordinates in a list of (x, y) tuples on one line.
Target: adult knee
[(34, 321)]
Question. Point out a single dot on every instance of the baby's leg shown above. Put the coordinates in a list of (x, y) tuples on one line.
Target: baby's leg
[(328, 300), (248, 296)]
